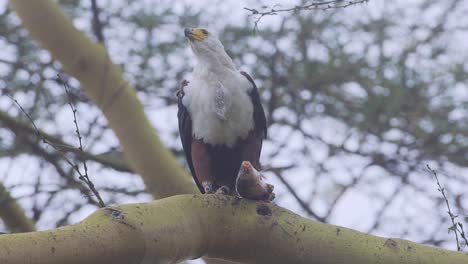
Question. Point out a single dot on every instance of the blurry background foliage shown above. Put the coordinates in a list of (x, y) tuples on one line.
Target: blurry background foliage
[(358, 100)]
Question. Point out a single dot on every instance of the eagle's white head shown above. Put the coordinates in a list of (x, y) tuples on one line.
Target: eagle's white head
[(208, 49)]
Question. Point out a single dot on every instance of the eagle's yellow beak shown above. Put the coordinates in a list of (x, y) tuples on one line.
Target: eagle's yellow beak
[(197, 34)]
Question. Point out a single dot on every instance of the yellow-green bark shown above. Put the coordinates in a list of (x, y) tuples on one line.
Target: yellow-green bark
[(103, 83), (12, 214), (189, 226)]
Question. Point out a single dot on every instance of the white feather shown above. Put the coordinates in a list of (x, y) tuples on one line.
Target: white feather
[(200, 100)]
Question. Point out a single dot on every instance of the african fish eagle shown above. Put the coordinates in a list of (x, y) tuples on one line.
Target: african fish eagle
[(221, 119)]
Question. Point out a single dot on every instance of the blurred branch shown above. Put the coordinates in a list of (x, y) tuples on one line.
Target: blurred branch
[(97, 24), (303, 204), (341, 194), (113, 160), (13, 214), (319, 5), (387, 202)]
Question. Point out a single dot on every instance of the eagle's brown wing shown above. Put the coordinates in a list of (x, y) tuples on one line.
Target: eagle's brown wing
[(259, 114), (185, 131)]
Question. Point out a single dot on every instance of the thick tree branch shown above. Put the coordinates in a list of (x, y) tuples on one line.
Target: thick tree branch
[(103, 83), (189, 226), (13, 214)]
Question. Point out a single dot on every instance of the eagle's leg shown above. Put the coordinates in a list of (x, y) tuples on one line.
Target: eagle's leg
[(202, 165), (207, 186), (224, 190)]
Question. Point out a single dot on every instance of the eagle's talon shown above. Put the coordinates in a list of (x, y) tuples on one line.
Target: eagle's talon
[(271, 197), (270, 188), (223, 190), (208, 187)]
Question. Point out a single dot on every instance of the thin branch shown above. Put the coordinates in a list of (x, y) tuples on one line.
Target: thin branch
[(57, 148), (84, 177), (456, 226), (462, 233), (322, 5), (68, 176)]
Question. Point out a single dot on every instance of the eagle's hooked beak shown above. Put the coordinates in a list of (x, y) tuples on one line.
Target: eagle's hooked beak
[(197, 34)]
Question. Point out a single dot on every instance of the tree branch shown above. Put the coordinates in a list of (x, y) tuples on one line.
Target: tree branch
[(301, 202), (97, 25), (456, 226), (18, 126), (83, 177), (13, 214), (315, 5), (189, 226)]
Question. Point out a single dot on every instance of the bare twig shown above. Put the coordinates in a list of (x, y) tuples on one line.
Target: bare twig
[(462, 233), (315, 5), (83, 176), (456, 227), (75, 167)]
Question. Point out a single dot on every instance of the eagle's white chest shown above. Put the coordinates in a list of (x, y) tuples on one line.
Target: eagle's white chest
[(220, 107)]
